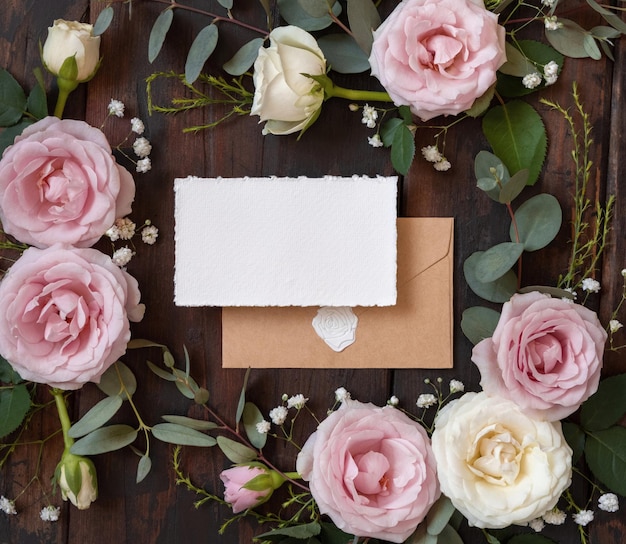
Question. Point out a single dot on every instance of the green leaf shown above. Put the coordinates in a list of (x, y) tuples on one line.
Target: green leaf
[(439, 515), (111, 385), (516, 62), (186, 384), (512, 189), (499, 290), (343, 54), (478, 323), (449, 536), (538, 221), (158, 33), (200, 50), (363, 18), (576, 438), (331, 534), (103, 21), (242, 396), (607, 406), (315, 8), (251, 416), (12, 99), (182, 435), (482, 103), (7, 374), (37, 103), (487, 167), (227, 4), (388, 130), (517, 135), (137, 343), (609, 16), (402, 149), (97, 416), (14, 405), (105, 439), (198, 424), (421, 536), (160, 372), (294, 14), (605, 453), (569, 39), (497, 261), (548, 290), (143, 468), (590, 45), (244, 58), (236, 452), (530, 539), (299, 532)]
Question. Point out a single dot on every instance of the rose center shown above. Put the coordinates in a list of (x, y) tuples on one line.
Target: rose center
[(443, 50), (371, 478), (495, 455), (60, 191)]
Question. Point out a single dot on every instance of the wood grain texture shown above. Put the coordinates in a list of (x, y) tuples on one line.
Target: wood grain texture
[(157, 510)]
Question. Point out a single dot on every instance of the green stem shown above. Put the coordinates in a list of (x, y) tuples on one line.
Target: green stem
[(64, 418), (352, 94), (292, 475), (66, 86)]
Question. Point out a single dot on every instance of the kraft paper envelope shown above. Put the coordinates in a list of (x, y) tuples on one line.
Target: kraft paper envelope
[(416, 333)]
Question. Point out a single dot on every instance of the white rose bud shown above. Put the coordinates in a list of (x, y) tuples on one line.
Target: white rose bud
[(67, 40), (76, 477)]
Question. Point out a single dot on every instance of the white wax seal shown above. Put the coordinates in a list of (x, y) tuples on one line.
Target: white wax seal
[(336, 325)]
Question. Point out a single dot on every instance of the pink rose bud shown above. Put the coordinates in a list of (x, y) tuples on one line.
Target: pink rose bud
[(247, 486)]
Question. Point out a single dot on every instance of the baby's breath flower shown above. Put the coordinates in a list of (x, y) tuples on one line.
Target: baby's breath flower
[(571, 292), (297, 401), (552, 23), (125, 228), (431, 153), (426, 400), (536, 525), (623, 272), (353, 107), (591, 285), (263, 427), (149, 234), (375, 140), (457, 386), (7, 506), (615, 325), (278, 415), (555, 517), (530, 81), (393, 401), (113, 233), (136, 125), (116, 107), (608, 502), (142, 147), (144, 165), (370, 116), (341, 394), (122, 256), (284, 397), (584, 517), (50, 513), (551, 69), (442, 165)]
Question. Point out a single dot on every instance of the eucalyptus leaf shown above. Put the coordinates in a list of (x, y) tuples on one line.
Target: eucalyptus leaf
[(449, 535), (137, 343), (478, 323), (363, 18), (500, 290), (497, 261), (244, 58), (111, 385), (538, 221), (576, 438), (158, 32), (439, 515), (402, 149), (242, 396), (568, 39), (227, 4), (299, 532), (606, 406), (488, 167), (315, 8), (517, 64), (590, 45), (294, 14), (14, 405), (250, 417), (186, 385), (548, 290), (12, 99), (517, 136), (200, 50), (97, 416), (8, 135), (605, 453), (174, 433), (197, 424), (343, 54), (105, 439), (236, 452), (609, 16), (421, 536), (103, 21), (512, 189), (160, 372), (143, 468)]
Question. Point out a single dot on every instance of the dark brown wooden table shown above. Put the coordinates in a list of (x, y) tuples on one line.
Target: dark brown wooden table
[(157, 510)]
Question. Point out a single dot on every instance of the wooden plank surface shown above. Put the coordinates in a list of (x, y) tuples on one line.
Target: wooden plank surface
[(157, 510)]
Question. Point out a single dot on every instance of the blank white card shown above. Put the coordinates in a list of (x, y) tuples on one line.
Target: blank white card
[(327, 241)]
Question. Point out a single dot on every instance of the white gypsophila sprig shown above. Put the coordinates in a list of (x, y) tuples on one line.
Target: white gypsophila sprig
[(590, 285), (263, 427), (608, 502), (532, 80), (125, 228), (552, 23), (7, 506), (583, 518), (537, 524), (456, 386), (393, 401), (122, 256), (426, 400), (116, 107), (370, 116), (555, 517), (341, 394), (149, 234), (443, 165), (431, 153), (551, 72), (615, 325), (297, 401), (142, 147), (144, 165), (375, 140), (50, 513), (278, 415), (113, 234), (137, 126)]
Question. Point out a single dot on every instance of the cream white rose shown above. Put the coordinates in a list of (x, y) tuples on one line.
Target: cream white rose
[(284, 98), (498, 466), (68, 39)]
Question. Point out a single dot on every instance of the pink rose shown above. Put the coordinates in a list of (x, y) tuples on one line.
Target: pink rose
[(237, 495), (371, 470), (64, 315), (438, 56), (59, 183), (545, 355)]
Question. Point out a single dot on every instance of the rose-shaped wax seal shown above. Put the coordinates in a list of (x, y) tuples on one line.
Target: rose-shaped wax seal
[(59, 183), (64, 315), (545, 355), (438, 56), (371, 470), (336, 325), (498, 466)]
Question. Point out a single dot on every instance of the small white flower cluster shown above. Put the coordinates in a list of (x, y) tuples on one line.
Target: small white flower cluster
[(554, 517), (550, 75), (278, 415), (141, 145), (608, 502), (426, 400), (124, 229), (583, 517), (50, 513), (122, 256), (456, 386), (7, 506), (552, 23), (369, 119), (615, 325), (432, 154), (590, 285), (341, 394), (393, 401)]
